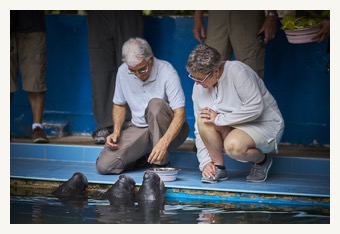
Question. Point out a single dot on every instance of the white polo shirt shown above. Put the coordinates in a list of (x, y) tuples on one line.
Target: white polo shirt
[(163, 83)]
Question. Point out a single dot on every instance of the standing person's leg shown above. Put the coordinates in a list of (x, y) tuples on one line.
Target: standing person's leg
[(37, 101), (246, 45), (103, 67), (13, 65), (218, 31), (159, 115), (32, 61), (14, 68), (134, 143), (129, 24)]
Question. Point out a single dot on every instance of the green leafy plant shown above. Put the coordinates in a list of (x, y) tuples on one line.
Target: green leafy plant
[(292, 23)]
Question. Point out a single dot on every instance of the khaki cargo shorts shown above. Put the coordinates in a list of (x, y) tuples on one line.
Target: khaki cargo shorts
[(28, 52)]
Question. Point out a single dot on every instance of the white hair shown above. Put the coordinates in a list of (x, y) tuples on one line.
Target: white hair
[(135, 50)]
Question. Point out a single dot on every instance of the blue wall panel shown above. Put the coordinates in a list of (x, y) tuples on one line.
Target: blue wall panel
[(69, 82), (295, 74)]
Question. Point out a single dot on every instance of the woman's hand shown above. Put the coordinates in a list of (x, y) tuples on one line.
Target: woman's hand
[(208, 114), (209, 170)]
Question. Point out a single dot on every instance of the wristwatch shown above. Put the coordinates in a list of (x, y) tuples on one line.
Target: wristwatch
[(272, 13)]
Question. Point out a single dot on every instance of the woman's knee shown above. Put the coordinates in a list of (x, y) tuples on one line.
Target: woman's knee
[(234, 149)]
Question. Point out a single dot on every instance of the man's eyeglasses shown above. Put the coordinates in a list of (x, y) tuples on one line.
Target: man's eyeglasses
[(199, 81), (141, 71)]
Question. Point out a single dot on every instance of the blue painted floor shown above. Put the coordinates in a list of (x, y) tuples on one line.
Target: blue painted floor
[(292, 176)]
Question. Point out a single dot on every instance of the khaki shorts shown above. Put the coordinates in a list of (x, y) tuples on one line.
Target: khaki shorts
[(28, 52)]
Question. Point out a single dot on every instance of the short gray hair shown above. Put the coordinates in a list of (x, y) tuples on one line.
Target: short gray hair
[(135, 50), (203, 59)]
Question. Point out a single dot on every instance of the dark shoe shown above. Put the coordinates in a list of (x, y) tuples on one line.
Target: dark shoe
[(38, 135), (99, 136), (259, 173)]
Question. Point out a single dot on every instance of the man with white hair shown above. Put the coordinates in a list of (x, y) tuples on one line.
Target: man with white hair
[(152, 89)]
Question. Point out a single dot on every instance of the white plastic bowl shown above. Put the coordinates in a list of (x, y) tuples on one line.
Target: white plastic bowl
[(166, 173), (300, 36)]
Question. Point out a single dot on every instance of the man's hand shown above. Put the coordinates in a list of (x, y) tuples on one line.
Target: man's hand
[(198, 30), (112, 140), (158, 152), (269, 28)]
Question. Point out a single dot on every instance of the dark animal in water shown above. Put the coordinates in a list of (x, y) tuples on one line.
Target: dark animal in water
[(121, 192), (150, 197), (152, 191), (73, 188)]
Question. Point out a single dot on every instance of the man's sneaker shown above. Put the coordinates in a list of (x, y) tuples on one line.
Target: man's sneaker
[(220, 176), (259, 173), (99, 136), (38, 135)]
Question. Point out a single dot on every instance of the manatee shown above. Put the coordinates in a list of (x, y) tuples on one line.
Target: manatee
[(121, 192), (151, 194), (74, 188)]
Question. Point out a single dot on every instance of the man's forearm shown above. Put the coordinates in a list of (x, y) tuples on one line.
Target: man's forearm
[(118, 113)]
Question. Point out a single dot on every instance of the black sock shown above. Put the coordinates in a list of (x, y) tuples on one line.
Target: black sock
[(220, 167), (263, 161)]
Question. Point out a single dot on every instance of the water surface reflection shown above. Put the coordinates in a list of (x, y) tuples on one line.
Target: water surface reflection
[(50, 210)]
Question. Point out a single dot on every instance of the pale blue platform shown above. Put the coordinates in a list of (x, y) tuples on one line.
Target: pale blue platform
[(291, 176)]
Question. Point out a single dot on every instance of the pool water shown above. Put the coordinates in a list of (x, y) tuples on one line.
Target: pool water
[(50, 210)]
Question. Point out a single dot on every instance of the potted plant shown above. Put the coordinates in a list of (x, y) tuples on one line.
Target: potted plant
[(300, 29)]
